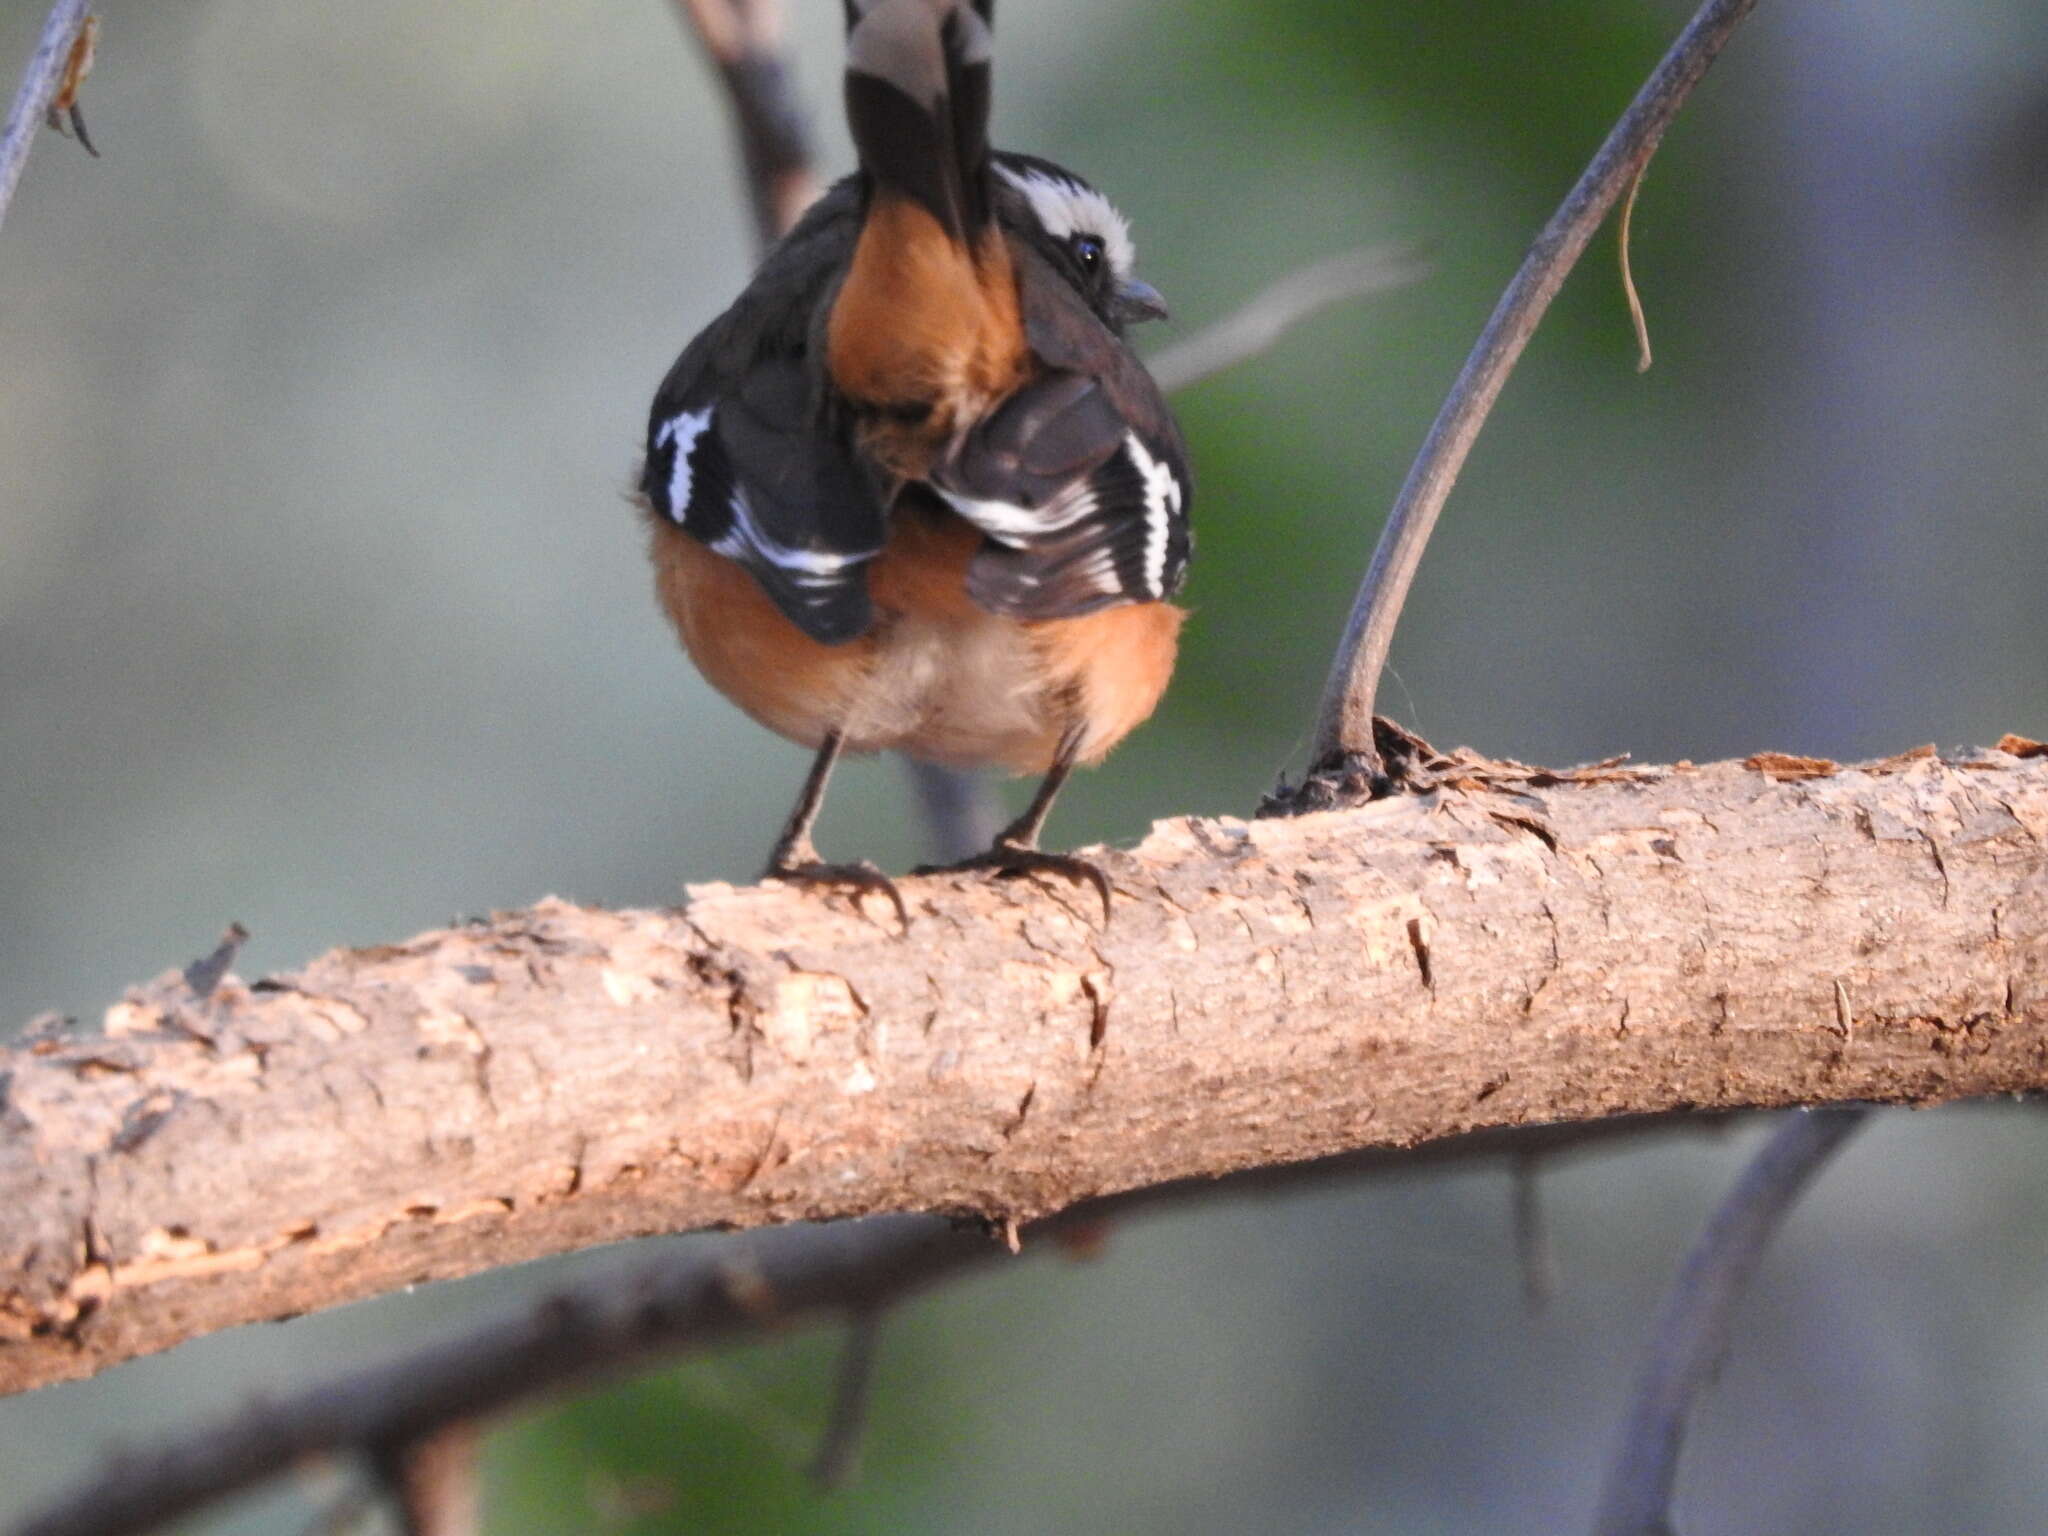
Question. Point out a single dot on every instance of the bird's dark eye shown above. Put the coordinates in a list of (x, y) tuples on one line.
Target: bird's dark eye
[(1090, 252)]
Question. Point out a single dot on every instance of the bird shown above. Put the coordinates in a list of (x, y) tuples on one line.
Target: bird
[(913, 490)]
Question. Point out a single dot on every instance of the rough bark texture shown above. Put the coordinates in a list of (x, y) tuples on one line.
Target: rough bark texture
[(1516, 947)]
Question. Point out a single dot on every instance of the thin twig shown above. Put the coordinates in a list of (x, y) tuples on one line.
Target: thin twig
[(436, 1482), (961, 813), (1628, 273), (743, 38), (629, 1318), (205, 973), (1693, 1331), (65, 108), (349, 1511), (1534, 1253), (46, 68), (1347, 760), (1269, 315), (838, 1459)]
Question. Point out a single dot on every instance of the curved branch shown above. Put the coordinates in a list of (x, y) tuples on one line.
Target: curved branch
[(1347, 762), (1692, 1334), (629, 1318), (1519, 946)]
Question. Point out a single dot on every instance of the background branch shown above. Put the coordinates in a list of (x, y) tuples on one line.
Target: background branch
[(434, 1480), (38, 89), (1347, 761), (961, 812), (838, 1458), (636, 1315), (1692, 1334), (1270, 315), (743, 39)]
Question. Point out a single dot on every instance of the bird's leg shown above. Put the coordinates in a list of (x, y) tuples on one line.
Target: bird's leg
[(796, 860), (795, 848), (1022, 834), (1016, 851)]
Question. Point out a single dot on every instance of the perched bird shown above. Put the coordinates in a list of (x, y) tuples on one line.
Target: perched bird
[(913, 491)]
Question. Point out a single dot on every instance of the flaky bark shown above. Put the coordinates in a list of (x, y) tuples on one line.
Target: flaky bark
[(1514, 948)]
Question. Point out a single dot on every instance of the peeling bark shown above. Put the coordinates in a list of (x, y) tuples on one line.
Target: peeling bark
[(1517, 947)]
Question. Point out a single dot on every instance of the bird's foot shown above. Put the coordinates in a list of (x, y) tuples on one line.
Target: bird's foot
[(1007, 858), (861, 879)]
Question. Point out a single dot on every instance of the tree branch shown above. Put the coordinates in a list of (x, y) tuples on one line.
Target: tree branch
[(630, 1317), (743, 39), (38, 89), (435, 1480), (838, 1458), (1347, 765), (1692, 1334), (1516, 947), (1269, 315)]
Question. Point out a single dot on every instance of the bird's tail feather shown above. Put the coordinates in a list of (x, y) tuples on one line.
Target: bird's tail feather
[(917, 100)]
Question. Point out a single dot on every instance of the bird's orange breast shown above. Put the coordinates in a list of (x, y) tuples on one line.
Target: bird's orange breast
[(936, 677)]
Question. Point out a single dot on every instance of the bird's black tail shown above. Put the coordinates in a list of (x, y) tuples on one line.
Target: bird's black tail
[(917, 99)]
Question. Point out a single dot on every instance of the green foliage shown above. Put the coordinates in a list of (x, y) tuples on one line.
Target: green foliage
[(722, 1446)]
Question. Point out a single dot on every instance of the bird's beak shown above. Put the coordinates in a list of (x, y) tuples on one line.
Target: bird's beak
[(1138, 301)]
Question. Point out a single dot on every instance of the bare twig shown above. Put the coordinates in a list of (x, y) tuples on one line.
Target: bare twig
[(627, 1319), (1347, 764), (39, 86), (961, 813), (204, 974), (1628, 273), (435, 1481), (1268, 316), (1534, 1254), (65, 108), (743, 38), (346, 1514), (838, 1458), (1693, 1332)]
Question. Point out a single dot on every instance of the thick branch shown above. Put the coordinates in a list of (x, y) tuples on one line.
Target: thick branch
[(1520, 947), (628, 1318)]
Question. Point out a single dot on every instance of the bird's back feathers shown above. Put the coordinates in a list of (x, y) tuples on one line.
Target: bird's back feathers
[(913, 330)]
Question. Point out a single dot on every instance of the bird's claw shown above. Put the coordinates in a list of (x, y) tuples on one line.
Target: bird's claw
[(861, 878), (1016, 859)]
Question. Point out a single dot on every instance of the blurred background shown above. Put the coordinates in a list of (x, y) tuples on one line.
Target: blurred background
[(321, 609)]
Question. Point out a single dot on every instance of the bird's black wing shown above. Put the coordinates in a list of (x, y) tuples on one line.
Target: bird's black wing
[(741, 454), (1079, 480)]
